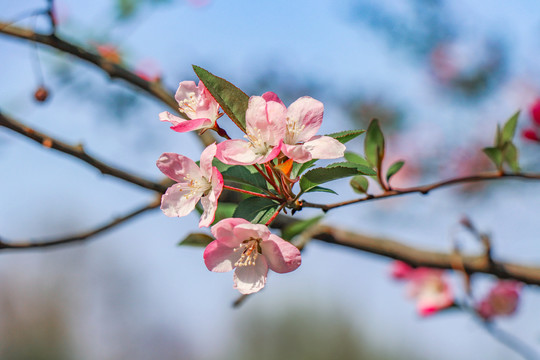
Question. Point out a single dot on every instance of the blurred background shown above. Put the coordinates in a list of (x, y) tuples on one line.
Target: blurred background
[(438, 74)]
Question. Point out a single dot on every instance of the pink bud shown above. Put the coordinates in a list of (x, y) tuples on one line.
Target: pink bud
[(530, 134), (535, 111)]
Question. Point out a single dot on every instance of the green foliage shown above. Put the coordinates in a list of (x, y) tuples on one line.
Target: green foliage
[(374, 144), (322, 189), (362, 169), (360, 184), (231, 99), (298, 168), (256, 209), (505, 151), (393, 169), (196, 239), (298, 227), (224, 211), (318, 176), (245, 175), (346, 136), (356, 158)]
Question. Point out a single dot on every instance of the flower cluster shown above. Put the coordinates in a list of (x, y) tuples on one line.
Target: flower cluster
[(532, 132), (276, 137), (428, 286)]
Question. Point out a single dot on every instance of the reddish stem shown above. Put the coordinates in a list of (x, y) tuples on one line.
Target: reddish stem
[(270, 181), (275, 214), (251, 193)]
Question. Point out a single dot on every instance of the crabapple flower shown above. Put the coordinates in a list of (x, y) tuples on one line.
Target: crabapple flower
[(194, 183), (303, 120), (401, 270), (265, 130), (431, 291), (502, 300), (250, 249), (197, 104)]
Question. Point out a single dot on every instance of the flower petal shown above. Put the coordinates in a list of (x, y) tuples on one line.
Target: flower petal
[(195, 124), (206, 160), (219, 257), (324, 147), (236, 152), (282, 256), (296, 152), (271, 96), (173, 119), (185, 89), (250, 279), (266, 120), (255, 231), (210, 201), (308, 113), (223, 231), (177, 167), (178, 202)]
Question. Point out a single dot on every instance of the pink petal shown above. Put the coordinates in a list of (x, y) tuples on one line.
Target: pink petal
[(177, 167), (324, 147), (271, 96), (308, 112), (250, 279), (184, 89), (195, 124), (255, 231), (272, 154), (210, 201), (282, 256), (178, 202), (219, 257), (173, 119), (206, 160), (266, 120), (296, 152), (223, 231), (236, 152)]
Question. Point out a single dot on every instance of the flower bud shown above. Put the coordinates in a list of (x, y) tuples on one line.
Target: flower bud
[(41, 94)]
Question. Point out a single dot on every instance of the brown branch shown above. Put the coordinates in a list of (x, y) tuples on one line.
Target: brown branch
[(154, 89), (78, 152), (418, 257), (30, 244), (426, 188)]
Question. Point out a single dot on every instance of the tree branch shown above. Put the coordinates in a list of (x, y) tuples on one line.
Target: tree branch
[(78, 152), (32, 244), (424, 190), (154, 89)]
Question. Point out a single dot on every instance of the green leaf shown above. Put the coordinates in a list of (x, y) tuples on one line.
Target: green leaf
[(364, 170), (509, 129), (322, 189), (318, 176), (495, 154), (298, 169), (298, 227), (231, 99), (510, 155), (256, 209), (346, 136), (356, 158), (224, 211), (360, 184), (196, 239), (245, 175), (374, 144), (393, 169)]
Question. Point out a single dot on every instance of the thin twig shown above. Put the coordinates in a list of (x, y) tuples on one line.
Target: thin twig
[(511, 341), (426, 188), (78, 152), (30, 244)]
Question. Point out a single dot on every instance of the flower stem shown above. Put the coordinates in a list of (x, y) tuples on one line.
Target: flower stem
[(276, 213), (267, 178), (251, 193)]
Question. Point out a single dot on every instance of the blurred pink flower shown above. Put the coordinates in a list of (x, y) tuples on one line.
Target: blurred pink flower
[(148, 70), (502, 300), (534, 111), (197, 104), (250, 249), (401, 270), (109, 52), (194, 183)]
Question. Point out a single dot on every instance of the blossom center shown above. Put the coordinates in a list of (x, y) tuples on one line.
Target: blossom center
[(189, 105), (250, 252), (256, 142), (197, 186), (294, 129)]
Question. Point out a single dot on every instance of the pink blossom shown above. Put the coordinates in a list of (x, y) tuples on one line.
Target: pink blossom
[(250, 249), (194, 183), (530, 134), (197, 104), (431, 291), (401, 270), (535, 112), (502, 300), (304, 118), (265, 130)]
